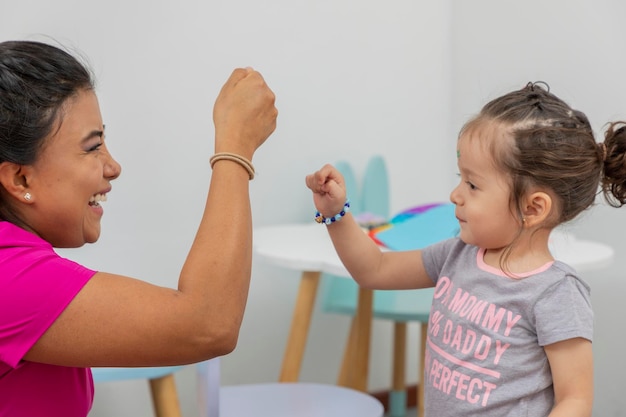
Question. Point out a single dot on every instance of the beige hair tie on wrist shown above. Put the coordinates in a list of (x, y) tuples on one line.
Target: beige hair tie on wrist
[(227, 156)]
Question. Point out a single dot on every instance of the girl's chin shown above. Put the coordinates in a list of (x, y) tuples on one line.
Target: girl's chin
[(467, 240)]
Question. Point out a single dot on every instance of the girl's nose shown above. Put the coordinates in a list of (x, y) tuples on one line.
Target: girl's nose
[(455, 197)]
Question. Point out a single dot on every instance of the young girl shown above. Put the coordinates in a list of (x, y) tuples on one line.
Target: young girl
[(510, 327)]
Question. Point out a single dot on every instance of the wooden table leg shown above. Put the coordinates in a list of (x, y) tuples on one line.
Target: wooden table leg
[(346, 365), (422, 361), (303, 310), (399, 355), (165, 396), (397, 397), (362, 354), (355, 366)]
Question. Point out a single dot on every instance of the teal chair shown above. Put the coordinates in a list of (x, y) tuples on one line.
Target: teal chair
[(161, 380), (374, 194), (400, 307), (352, 190)]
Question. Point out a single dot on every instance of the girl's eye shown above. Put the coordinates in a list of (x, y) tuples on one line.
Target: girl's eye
[(471, 186)]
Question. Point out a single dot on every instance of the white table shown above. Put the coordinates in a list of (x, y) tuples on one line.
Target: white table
[(278, 399), (308, 248)]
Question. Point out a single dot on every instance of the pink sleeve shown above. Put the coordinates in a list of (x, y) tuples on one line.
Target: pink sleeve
[(36, 285)]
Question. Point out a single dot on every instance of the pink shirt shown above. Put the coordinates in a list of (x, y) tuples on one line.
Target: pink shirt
[(36, 285)]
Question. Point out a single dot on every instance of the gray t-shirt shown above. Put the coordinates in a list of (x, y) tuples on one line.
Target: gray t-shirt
[(486, 333)]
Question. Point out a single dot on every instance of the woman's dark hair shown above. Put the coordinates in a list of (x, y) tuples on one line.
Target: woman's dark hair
[(36, 79)]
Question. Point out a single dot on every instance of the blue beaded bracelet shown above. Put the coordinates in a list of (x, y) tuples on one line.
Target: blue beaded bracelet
[(330, 220)]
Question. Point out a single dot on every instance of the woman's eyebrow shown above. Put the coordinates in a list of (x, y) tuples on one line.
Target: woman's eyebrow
[(94, 133)]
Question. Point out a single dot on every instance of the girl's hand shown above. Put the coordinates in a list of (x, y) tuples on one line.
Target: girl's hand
[(329, 190)]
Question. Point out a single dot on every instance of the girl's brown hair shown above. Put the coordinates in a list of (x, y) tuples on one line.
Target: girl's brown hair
[(614, 179), (553, 148), (549, 145)]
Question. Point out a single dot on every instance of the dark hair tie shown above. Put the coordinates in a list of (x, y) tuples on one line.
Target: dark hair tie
[(531, 85)]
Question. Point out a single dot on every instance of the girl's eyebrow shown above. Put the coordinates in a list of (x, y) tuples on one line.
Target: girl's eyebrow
[(470, 172)]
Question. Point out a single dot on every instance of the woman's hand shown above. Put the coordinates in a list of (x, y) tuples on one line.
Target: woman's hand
[(244, 113)]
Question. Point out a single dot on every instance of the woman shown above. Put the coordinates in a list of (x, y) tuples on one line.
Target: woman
[(58, 318)]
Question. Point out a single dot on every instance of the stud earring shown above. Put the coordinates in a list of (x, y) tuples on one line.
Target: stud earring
[(27, 196)]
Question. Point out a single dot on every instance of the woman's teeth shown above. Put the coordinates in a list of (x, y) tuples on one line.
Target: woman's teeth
[(96, 199)]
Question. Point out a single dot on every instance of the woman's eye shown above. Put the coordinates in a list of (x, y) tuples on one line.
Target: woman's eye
[(95, 147)]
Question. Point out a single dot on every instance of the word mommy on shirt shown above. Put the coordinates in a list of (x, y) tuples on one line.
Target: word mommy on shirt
[(467, 340)]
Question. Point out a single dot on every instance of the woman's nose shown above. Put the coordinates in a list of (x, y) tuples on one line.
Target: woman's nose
[(112, 169)]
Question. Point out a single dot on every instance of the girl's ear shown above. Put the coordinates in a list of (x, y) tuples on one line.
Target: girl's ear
[(13, 180), (537, 208)]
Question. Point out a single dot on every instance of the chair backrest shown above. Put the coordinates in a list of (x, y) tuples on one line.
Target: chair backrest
[(375, 189), (352, 190)]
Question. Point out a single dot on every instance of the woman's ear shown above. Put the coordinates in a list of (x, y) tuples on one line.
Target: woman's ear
[(13, 180), (537, 208)]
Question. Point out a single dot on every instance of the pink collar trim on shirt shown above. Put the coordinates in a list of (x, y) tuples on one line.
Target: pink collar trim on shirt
[(497, 271)]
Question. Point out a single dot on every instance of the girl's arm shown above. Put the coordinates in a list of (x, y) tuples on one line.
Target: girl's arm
[(571, 363), (367, 264)]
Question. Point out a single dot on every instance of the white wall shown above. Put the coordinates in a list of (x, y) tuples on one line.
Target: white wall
[(352, 78)]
